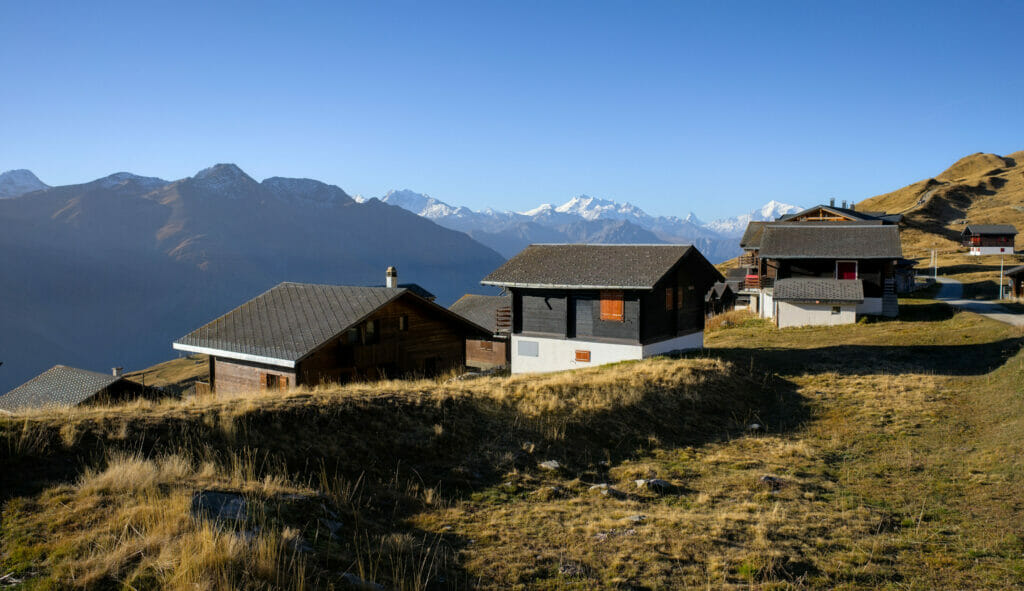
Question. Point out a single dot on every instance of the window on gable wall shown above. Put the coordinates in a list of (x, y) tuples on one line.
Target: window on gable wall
[(612, 306), (670, 298)]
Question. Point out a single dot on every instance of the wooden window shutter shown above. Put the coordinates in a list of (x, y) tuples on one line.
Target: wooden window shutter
[(679, 298), (583, 356), (670, 298), (612, 306), (284, 382)]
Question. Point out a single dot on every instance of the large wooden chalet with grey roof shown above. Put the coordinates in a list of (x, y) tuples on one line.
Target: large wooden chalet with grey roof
[(825, 265), (581, 305), (300, 334)]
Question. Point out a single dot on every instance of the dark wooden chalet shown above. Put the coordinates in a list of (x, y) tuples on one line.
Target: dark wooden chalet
[(300, 334), (1016, 281), (63, 386), (720, 299), (575, 305), (832, 213), (984, 239), (835, 251), (495, 314)]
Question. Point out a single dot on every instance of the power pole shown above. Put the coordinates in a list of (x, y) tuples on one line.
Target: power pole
[(1000, 277)]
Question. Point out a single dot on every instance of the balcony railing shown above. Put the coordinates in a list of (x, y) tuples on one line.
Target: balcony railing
[(757, 282), (748, 260)]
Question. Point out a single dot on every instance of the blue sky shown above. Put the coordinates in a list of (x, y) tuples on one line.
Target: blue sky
[(714, 107)]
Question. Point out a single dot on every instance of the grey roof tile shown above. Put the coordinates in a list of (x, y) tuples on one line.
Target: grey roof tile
[(819, 290), (58, 386), (1015, 271), (831, 241), (596, 266)]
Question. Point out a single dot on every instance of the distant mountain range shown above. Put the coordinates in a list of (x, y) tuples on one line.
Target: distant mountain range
[(109, 272), (586, 219)]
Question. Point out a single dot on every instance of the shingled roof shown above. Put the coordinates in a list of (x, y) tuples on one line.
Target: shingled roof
[(981, 229), (58, 386), (481, 309), (752, 235), (1015, 271), (596, 266), (830, 241), (287, 323), (819, 290)]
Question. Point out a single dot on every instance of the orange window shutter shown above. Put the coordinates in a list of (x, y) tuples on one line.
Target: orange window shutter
[(284, 382), (612, 306), (669, 298), (583, 356)]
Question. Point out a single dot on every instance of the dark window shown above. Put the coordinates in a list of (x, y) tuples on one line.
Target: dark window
[(272, 381), (836, 309), (371, 332), (612, 306), (583, 356), (403, 323)]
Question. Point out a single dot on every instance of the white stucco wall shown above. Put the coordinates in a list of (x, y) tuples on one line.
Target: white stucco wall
[(983, 250), (560, 354), (800, 314), (683, 343), (871, 306)]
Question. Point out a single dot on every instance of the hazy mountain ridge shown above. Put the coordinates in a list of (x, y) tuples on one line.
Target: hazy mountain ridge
[(586, 219), (15, 183), (109, 272)]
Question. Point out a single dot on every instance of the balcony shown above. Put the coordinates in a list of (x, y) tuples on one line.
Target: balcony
[(757, 282), (748, 259)]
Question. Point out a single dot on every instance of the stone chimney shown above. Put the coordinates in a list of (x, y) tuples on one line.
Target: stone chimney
[(117, 371), (852, 208), (832, 202), (844, 203), (392, 278)]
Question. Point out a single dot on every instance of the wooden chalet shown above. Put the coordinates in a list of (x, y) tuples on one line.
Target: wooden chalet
[(495, 314), (720, 299), (1015, 276), (62, 386), (579, 305), (844, 213), (984, 239), (834, 251), (300, 334)]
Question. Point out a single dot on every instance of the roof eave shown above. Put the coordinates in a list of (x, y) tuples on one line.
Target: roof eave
[(287, 363), (565, 286)]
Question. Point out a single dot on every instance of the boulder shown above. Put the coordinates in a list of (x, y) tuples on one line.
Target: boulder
[(218, 506), (552, 465)]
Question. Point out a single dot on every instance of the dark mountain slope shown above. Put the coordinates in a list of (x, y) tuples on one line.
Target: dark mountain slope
[(110, 272)]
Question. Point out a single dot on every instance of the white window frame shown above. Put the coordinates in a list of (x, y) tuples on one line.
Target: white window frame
[(856, 269)]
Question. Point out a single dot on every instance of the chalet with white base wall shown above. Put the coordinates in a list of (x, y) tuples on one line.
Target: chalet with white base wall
[(581, 305), (299, 334), (985, 239)]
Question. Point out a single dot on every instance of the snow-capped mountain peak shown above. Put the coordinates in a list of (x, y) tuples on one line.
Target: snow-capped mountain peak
[(593, 208), (735, 226), (693, 219), (420, 204), (542, 209), (776, 209), (15, 183)]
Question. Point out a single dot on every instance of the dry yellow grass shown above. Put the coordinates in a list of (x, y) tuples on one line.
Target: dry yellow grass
[(175, 375)]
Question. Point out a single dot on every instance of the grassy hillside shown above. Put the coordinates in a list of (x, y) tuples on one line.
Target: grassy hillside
[(176, 375), (892, 450), (981, 189)]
